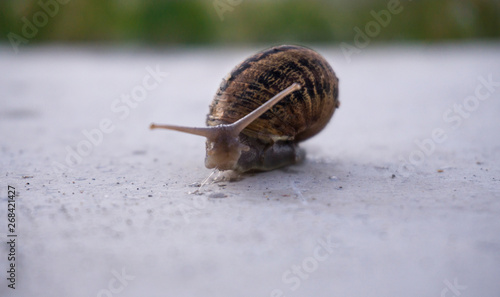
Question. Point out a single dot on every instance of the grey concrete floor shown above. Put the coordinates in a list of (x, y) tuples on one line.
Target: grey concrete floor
[(399, 196)]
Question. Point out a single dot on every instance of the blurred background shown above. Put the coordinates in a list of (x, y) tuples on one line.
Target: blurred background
[(242, 21)]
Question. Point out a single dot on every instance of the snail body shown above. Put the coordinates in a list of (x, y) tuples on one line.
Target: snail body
[(264, 107)]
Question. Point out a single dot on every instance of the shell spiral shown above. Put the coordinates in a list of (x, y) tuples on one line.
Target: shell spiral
[(300, 115)]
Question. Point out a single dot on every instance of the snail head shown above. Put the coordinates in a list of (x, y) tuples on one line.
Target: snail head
[(223, 148)]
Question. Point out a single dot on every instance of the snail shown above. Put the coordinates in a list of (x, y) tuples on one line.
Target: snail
[(267, 105)]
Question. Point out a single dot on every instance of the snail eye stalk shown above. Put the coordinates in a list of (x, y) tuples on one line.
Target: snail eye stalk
[(235, 128)]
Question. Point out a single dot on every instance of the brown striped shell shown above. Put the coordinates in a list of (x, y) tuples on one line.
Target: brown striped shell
[(298, 116), (264, 107)]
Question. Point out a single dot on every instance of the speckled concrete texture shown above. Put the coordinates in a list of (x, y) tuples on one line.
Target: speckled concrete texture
[(399, 195)]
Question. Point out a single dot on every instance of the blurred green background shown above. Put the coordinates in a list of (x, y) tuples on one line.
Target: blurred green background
[(242, 21)]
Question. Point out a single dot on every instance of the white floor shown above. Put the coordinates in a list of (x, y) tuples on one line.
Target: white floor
[(400, 195)]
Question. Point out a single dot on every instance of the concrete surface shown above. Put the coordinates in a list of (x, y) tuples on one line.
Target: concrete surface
[(399, 196)]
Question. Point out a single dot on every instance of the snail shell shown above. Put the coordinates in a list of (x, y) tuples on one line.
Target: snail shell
[(265, 106)]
